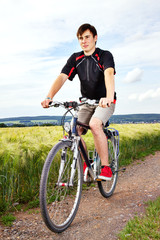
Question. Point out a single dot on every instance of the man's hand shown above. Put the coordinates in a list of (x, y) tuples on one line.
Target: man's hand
[(105, 102), (45, 103)]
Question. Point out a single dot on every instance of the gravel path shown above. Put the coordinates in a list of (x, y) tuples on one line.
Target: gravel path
[(98, 218)]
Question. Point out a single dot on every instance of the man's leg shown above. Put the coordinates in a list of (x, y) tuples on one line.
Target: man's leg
[(99, 118), (101, 145), (100, 140)]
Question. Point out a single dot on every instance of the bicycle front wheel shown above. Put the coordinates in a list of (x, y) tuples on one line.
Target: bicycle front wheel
[(59, 197), (107, 188)]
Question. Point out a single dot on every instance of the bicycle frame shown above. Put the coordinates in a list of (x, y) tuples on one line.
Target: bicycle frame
[(76, 147)]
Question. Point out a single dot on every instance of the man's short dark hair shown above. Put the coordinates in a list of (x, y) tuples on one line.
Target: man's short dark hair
[(85, 27)]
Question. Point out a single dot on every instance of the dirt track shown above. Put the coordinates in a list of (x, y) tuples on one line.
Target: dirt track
[(98, 218)]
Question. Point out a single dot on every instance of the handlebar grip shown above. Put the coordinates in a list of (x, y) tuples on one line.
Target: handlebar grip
[(54, 104)]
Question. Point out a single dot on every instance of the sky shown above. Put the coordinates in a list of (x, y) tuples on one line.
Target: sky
[(38, 36)]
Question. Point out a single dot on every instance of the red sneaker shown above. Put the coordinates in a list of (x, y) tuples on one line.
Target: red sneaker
[(106, 173)]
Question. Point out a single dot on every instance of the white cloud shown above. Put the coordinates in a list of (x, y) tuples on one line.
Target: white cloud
[(27, 26), (141, 51), (30, 25), (149, 94), (134, 75)]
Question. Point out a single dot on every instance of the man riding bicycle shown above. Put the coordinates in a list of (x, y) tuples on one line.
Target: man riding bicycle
[(96, 69)]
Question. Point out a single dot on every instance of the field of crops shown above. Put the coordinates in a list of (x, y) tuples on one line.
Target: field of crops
[(23, 152)]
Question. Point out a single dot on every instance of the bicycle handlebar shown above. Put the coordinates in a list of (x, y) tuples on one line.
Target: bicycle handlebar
[(74, 104)]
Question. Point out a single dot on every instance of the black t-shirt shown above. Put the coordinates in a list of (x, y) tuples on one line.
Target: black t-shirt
[(90, 70)]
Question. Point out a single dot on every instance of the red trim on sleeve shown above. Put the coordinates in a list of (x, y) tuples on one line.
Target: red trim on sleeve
[(72, 69), (114, 101)]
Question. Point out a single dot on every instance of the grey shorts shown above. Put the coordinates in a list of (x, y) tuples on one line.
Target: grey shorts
[(87, 112)]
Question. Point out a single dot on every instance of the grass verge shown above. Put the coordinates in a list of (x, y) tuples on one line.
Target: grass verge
[(146, 227)]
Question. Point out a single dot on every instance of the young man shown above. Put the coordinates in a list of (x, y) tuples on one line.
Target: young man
[(96, 69)]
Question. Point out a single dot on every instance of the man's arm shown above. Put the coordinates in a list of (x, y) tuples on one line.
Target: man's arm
[(56, 86), (110, 88)]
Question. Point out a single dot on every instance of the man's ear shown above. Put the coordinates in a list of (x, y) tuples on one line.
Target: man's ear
[(96, 37)]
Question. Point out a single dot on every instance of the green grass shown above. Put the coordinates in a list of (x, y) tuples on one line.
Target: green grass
[(32, 204), (24, 150), (138, 141), (22, 155), (8, 220), (146, 227)]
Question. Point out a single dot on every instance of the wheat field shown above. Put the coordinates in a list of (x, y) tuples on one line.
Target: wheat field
[(24, 150)]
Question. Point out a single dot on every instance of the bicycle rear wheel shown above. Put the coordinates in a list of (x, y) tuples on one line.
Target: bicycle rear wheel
[(107, 188), (59, 200)]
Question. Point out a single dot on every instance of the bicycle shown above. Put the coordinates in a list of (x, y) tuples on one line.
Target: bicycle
[(62, 174)]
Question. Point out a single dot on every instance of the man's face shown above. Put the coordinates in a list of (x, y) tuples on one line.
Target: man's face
[(87, 42)]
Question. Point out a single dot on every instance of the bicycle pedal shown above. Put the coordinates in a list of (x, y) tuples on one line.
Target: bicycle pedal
[(98, 180), (121, 170)]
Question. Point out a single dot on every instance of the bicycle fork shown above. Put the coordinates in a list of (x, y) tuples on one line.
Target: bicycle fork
[(64, 159), (61, 169), (74, 163)]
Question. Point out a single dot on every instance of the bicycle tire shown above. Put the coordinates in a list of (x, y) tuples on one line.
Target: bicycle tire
[(107, 188), (59, 204)]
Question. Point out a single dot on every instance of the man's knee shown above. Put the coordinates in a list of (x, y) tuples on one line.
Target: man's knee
[(95, 125), (80, 130)]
